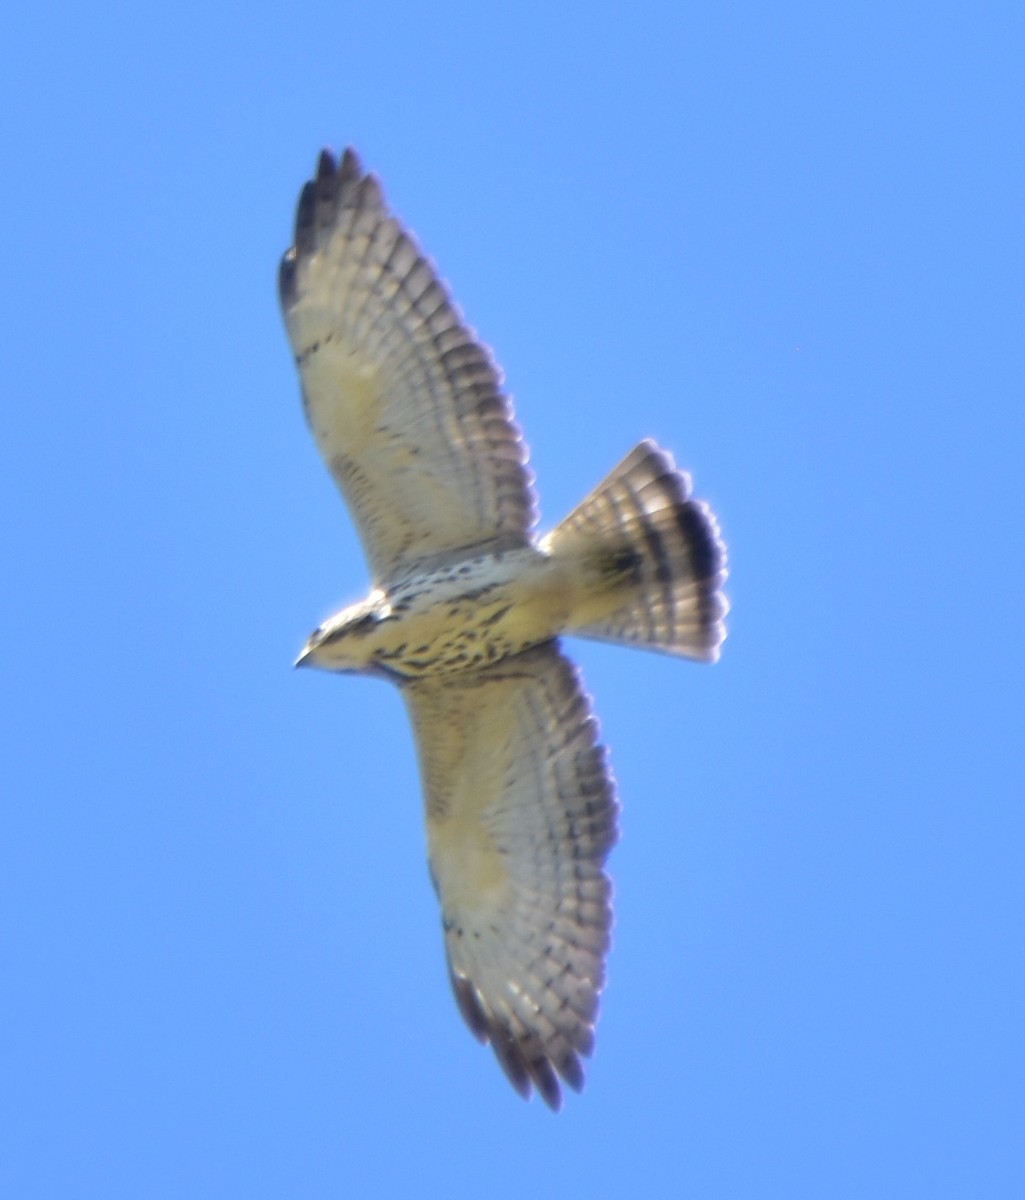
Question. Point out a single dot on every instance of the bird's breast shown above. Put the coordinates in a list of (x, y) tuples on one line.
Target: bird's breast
[(472, 613)]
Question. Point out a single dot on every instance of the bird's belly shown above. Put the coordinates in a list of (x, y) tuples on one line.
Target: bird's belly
[(465, 618)]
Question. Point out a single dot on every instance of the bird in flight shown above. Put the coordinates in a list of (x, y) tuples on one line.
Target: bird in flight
[(466, 609)]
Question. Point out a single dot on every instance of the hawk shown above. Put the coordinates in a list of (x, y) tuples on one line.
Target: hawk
[(466, 610)]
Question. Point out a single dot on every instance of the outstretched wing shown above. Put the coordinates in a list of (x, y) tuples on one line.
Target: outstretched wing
[(521, 813), (404, 402)]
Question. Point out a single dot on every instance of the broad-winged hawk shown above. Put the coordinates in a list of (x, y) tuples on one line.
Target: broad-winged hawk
[(466, 609)]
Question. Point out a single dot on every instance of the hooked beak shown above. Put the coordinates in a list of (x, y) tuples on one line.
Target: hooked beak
[(304, 657)]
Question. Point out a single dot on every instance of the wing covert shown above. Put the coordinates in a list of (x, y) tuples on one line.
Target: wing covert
[(404, 402), (521, 814)]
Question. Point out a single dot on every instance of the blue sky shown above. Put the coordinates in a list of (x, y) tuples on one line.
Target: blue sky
[(784, 239)]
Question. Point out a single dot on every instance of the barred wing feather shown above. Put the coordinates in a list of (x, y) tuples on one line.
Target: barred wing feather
[(521, 814), (404, 402)]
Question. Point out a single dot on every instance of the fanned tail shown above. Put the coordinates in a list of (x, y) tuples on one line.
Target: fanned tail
[(648, 558)]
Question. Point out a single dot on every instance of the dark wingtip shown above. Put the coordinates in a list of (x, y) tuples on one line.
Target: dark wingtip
[(286, 278), (319, 197), (469, 1006), (316, 211), (305, 219), (547, 1084), (350, 167), (325, 166), (507, 1051), (521, 1057), (572, 1072)]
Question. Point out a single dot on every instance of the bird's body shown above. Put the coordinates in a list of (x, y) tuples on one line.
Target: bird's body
[(466, 608), (458, 617)]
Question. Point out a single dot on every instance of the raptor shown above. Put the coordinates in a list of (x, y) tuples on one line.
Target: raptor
[(467, 607)]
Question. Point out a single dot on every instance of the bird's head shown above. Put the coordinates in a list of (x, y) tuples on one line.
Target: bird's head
[(347, 641)]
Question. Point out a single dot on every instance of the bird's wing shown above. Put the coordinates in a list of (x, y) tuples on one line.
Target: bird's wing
[(404, 402), (521, 813)]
